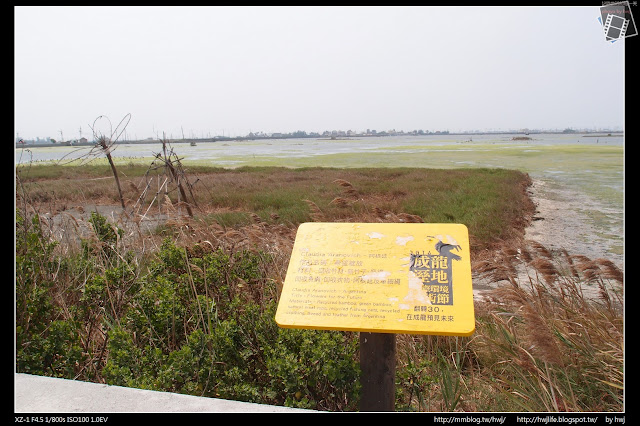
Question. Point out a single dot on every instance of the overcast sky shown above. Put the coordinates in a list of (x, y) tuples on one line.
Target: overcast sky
[(209, 70)]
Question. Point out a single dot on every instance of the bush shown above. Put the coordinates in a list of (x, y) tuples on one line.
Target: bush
[(45, 344), (315, 369), (202, 324)]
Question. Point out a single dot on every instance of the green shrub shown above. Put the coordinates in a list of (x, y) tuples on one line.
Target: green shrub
[(202, 324), (315, 369), (56, 353), (45, 344), (34, 259)]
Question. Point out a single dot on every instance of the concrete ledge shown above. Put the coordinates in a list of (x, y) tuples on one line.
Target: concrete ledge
[(38, 394)]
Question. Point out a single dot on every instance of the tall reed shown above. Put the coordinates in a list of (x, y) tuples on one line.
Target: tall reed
[(551, 333)]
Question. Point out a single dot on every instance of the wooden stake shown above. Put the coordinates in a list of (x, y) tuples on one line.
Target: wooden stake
[(378, 371)]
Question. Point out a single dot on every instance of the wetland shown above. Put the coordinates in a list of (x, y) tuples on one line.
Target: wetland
[(578, 179), (158, 299)]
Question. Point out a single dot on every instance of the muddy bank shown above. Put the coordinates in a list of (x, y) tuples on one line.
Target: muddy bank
[(561, 222)]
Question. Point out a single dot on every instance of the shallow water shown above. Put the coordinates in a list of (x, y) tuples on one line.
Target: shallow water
[(580, 179)]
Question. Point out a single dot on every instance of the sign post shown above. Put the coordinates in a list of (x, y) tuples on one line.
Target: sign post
[(379, 279), (378, 371)]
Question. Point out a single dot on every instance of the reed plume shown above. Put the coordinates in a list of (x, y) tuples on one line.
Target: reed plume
[(316, 213)]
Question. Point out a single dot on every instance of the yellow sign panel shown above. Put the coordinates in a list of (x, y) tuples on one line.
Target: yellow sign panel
[(410, 278)]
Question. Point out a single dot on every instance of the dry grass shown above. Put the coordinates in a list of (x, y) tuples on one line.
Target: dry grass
[(551, 333)]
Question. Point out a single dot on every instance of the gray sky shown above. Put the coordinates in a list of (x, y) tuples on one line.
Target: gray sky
[(210, 70)]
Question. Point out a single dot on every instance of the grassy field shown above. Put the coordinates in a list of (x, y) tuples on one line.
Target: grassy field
[(134, 309)]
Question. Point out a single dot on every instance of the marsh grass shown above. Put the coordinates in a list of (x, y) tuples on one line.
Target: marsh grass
[(549, 336), (492, 202)]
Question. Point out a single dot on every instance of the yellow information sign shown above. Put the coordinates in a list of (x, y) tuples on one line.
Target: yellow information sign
[(410, 278)]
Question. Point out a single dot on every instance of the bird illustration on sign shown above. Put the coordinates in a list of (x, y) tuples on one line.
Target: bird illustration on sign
[(431, 278)]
